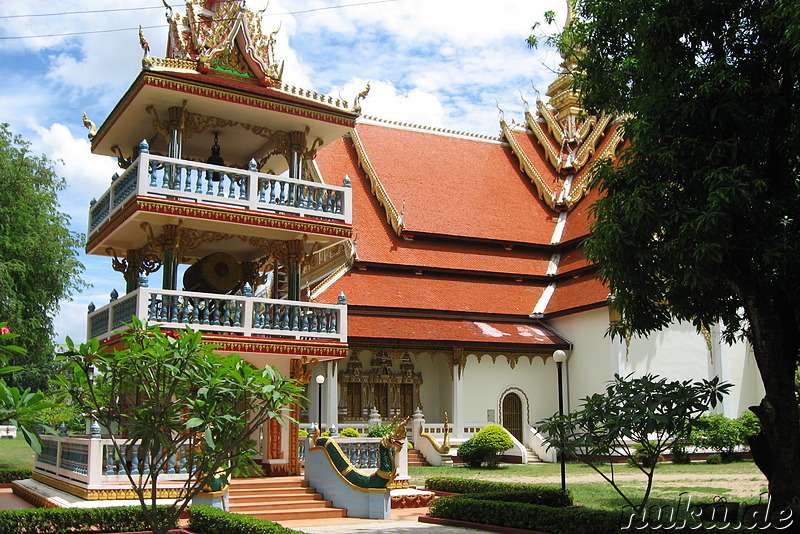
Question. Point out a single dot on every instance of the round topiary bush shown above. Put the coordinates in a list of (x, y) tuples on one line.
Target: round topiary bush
[(485, 446), (715, 458), (349, 432)]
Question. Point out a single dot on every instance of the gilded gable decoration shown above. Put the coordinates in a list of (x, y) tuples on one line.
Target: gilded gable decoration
[(224, 37)]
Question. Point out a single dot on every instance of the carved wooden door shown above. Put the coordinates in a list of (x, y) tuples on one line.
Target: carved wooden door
[(512, 415)]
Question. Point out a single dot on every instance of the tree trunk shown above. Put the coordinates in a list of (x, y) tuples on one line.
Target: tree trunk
[(774, 335)]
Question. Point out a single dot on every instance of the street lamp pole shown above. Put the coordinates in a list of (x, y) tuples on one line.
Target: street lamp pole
[(320, 380), (560, 357)]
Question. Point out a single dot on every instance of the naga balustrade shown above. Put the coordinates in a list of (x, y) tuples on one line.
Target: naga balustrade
[(158, 176), (93, 463), (224, 314)]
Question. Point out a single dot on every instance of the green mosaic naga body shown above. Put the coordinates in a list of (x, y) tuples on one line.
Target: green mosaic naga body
[(387, 470)]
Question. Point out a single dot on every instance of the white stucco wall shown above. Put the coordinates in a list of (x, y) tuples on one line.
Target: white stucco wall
[(678, 353)]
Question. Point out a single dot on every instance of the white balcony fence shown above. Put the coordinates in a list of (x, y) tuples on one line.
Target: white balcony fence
[(158, 176), (92, 463), (223, 314)]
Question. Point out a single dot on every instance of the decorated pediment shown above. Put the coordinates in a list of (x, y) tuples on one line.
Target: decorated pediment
[(223, 38)]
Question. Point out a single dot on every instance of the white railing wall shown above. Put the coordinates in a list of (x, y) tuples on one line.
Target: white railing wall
[(226, 314), (158, 176), (92, 463)]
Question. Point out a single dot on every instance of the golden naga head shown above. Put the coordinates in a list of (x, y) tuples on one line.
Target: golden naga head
[(394, 440)]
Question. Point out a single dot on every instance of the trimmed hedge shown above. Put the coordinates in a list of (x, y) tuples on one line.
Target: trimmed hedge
[(66, 520), (547, 495), (526, 516), (9, 475), (208, 520), (538, 495)]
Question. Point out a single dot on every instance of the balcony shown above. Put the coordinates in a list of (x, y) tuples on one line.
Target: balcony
[(162, 177), (222, 314)]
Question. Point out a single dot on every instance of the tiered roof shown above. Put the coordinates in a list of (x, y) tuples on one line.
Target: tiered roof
[(466, 240)]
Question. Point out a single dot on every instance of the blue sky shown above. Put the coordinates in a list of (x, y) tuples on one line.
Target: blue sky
[(445, 63)]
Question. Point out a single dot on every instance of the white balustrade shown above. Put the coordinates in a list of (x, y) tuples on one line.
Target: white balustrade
[(225, 314), (162, 177), (93, 463)]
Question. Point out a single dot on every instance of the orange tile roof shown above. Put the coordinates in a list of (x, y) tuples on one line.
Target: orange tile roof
[(535, 153), (376, 242), (463, 178), (450, 331), (583, 291), (400, 290)]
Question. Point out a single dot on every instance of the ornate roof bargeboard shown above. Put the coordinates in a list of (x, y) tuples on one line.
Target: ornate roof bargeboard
[(392, 216)]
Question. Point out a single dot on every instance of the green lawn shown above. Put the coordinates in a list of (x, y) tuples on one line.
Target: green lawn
[(15, 453), (701, 481)]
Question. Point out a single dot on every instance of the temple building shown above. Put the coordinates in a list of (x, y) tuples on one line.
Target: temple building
[(418, 271)]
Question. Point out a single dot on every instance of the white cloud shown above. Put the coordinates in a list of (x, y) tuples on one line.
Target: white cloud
[(388, 102)]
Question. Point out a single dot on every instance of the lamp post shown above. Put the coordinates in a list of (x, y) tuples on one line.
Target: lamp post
[(320, 380), (560, 357)]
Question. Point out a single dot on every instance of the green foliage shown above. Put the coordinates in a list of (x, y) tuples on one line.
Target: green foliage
[(531, 493), (187, 397), (646, 457), (63, 520), (208, 520), (38, 256), (378, 431), (21, 408), (698, 219), (718, 433), (485, 446), (723, 435), (679, 454), (302, 433), (645, 415), (10, 475), (526, 516), (349, 432), (714, 459)]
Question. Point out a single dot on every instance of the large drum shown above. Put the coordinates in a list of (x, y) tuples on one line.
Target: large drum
[(216, 273)]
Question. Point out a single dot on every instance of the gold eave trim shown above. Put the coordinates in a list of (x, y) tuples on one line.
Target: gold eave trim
[(221, 214), (588, 147), (545, 193), (552, 154), (393, 217), (581, 187), (287, 347), (271, 103)]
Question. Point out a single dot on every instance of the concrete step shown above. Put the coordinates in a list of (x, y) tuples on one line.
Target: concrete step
[(300, 514), (416, 459), (280, 499), (263, 506), (533, 458)]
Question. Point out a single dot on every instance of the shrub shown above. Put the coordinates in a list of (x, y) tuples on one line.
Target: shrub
[(644, 457), (61, 520), (302, 433), (717, 432), (470, 454), (378, 431), (749, 425), (9, 475), (485, 446), (349, 432), (526, 516), (208, 520), (715, 458), (546, 495), (679, 454)]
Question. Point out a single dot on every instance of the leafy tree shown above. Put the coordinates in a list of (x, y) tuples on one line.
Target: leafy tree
[(38, 256), (21, 408), (699, 219), (638, 417), (177, 399)]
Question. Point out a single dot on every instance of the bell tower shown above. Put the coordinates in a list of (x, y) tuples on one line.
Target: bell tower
[(218, 218)]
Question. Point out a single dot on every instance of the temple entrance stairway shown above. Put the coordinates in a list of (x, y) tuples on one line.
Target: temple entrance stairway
[(415, 459), (280, 499), (533, 458)]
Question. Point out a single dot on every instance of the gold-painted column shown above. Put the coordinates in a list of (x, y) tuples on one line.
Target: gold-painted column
[(294, 256), (176, 122)]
